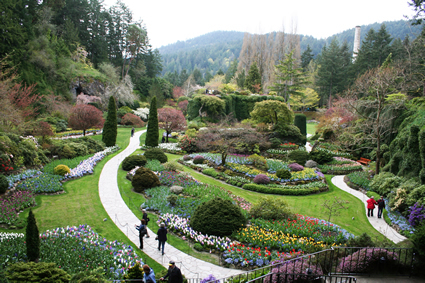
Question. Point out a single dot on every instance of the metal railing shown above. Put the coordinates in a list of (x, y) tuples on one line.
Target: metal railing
[(338, 264)]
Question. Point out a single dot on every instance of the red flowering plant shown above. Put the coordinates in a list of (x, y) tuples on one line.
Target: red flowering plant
[(5, 164), (188, 144), (288, 146)]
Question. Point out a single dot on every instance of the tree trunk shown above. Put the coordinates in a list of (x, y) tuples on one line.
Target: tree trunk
[(223, 158)]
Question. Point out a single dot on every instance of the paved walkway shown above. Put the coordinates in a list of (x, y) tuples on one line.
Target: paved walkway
[(378, 223), (125, 220)]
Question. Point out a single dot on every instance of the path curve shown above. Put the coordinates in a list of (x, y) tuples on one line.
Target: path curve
[(378, 223), (124, 218)]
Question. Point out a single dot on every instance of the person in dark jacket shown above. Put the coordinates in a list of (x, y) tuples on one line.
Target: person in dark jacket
[(381, 206), (174, 274), (162, 237), (146, 218), (142, 232)]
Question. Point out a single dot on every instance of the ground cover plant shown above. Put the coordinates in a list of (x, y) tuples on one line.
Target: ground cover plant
[(340, 166), (74, 249)]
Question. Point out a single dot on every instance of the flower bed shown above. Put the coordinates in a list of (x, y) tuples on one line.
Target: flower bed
[(297, 190), (288, 146), (86, 166), (359, 180), (12, 179), (172, 178), (333, 152), (12, 204), (173, 148), (45, 183), (341, 166), (73, 249)]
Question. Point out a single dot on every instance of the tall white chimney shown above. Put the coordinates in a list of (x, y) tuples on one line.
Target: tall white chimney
[(356, 42)]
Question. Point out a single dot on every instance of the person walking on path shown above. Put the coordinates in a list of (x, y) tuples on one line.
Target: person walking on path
[(174, 274), (162, 237), (381, 206), (146, 218), (371, 206), (149, 274), (142, 232), (132, 132)]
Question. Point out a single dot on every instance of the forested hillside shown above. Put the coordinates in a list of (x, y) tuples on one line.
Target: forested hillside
[(214, 51)]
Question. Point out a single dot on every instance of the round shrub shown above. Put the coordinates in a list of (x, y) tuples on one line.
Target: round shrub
[(198, 247), (172, 199), (385, 182), (271, 208), (61, 170), (261, 179), (295, 167), (283, 174), (368, 260), (187, 157), (132, 161), (144, 179), (156, 153), (363, 241), (311, 164), (4, 184), (199, 159), (217, 217), (176, 190), (173, 166), (320, 156), (299, 156)]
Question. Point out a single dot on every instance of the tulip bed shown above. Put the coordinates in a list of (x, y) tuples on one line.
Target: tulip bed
[(73, 249), (12, 204), (341, 165)]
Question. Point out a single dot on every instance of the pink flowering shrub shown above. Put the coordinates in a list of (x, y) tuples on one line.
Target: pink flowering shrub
[(293, 271), (261, 179), (367, 260), (295, 167), (199, 159)]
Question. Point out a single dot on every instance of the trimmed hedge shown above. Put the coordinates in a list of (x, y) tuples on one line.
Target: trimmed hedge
[(297, 190)]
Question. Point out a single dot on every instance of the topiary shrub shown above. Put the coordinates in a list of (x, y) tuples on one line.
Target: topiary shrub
[(283, 174), (132, 161), (299, 156), (217, 217), (156, 153), (311, 164), (4, 184), (144, 179), (320, 156), (258, 161), (271, 208), (173, 166), (295, 167), (300, 120), (198, 159), (172, 199), (36, 272), (261, 179), (210, 172), (187, 157), (61, 170)]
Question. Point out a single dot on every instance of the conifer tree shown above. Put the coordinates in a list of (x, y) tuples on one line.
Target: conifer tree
[(32, 238), (152, 133), (253, 80), (110, 127)]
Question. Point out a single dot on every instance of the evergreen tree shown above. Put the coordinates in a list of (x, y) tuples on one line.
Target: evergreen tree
[(289, 78), (306, 57), (109, 136), (253, 80), (152, 133), (332, 74), (32, 238), (240, 79), (231, 71)]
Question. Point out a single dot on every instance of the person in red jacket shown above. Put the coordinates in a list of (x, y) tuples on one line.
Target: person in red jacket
[(370, 206)]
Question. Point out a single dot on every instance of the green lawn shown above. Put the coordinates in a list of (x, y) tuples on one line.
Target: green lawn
[(311, 128)]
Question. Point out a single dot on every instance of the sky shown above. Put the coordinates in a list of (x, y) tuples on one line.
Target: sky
[(169, 21)]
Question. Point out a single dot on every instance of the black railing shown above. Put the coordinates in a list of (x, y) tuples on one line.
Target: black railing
[(332, 263)]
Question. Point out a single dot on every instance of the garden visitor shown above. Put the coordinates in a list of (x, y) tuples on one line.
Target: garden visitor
[(132, 132), (174, 274), (370, 206), (142, 232), (163, 139), (162, 237), (149, 276), (381, 206), (146, 218)]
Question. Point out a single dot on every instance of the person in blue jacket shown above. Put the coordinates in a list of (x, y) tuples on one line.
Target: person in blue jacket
[(149, 274), (142, 232)]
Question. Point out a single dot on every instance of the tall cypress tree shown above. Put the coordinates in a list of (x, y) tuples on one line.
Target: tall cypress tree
[(110, 131), (152, 133), (253, 79), (32, 238)]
